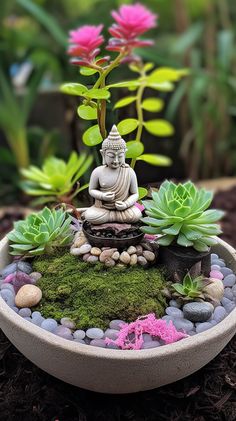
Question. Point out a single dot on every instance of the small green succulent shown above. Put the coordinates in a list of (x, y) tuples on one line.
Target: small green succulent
[(178, 212), (41, 232), (189, 289), (57, 179)]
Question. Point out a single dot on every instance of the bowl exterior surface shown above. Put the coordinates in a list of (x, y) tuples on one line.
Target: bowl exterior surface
[(116, 371)]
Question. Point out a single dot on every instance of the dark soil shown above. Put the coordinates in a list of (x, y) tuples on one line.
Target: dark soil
[(29, 394)]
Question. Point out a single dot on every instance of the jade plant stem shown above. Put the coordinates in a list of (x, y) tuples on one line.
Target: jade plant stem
[(139, 112), (101, 82)]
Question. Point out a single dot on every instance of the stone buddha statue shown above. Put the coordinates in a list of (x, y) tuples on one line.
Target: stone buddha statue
[(113, 185)]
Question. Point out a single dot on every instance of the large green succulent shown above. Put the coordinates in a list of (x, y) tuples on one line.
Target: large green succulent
[(178, 212), (41, 232), (57, 181)]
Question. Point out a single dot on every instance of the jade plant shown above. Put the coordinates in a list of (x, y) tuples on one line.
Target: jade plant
[(57, 181), (41, 233), (178, 212), (130, 22)]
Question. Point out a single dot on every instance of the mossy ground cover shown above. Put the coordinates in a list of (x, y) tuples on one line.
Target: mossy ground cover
[(92, 296)]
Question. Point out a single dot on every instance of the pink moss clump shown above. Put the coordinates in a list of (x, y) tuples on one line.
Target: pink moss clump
[(146, 324)]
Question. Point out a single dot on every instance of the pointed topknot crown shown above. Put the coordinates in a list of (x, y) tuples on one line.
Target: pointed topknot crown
[(114, 141)]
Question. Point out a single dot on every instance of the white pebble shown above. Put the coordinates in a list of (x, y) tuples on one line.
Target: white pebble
[(98, 342), (79, 334), (94, 333), (149, 345), (234, 290), (215, 267), (226, 271), (228, 294), (49, 324)]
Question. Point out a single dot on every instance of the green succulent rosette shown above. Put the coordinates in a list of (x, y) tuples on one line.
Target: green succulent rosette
[(178, 212), (41, 233)]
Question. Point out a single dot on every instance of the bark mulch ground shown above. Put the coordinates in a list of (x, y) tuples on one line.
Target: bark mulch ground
[(29, 394)]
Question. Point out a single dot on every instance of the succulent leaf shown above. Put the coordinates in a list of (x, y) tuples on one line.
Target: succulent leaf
[(41, 232), (179, 212)]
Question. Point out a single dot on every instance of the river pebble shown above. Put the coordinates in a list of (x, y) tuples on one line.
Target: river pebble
[(8, 297), (228, 294), (229, 280), (183, 324), (94, 333), (219, 313), (79, 334), (63, 332), (111, 333), (149, 345), (131, 250), (125, 257), (173, 303), (49, 324), (226, 271), (15, 266), (98, 342), (116, 324), (216, 274), (67, 322), (28, 296), (203, 326), (198, 312), (25, 312), (174, 312)]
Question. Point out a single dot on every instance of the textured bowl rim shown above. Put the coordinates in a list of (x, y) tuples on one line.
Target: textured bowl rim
[(52, 340)]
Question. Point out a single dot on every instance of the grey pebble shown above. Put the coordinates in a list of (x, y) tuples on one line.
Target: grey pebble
[(13, 267), (149, 345), (203, 326), (228, 294), (79, 341), (226, 271), (116, 324), (197, 311), (94, 333), (229, 280), (111, 334), (67, 322), (98, 342), (219, 313), (25, 312), (174, 312), (184, 324)]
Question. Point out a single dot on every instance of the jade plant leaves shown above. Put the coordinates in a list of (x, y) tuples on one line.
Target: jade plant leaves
[(159, 127), (92, 136), (134, 149), (158, 160), (127, 126), (86, 112)]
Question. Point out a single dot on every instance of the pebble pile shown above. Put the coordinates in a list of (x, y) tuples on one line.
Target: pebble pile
[(143, 254), (192, 318)]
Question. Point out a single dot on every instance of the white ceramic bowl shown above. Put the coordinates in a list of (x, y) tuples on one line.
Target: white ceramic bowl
[(116, 371)]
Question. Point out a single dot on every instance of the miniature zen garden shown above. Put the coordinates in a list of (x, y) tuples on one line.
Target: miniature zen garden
[(134, 270)]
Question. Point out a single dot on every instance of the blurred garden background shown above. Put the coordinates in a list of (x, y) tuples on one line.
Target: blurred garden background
[(37, 120)]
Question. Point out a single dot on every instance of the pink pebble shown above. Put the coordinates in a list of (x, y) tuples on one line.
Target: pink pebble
[(216, 274)]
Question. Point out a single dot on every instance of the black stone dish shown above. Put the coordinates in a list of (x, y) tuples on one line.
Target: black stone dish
[(114, 241)]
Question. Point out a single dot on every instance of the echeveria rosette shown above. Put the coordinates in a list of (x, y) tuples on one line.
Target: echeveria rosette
[(41, 233), (178, 213)]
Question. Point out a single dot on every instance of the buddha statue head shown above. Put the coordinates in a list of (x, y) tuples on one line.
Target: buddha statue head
[(113, 150)]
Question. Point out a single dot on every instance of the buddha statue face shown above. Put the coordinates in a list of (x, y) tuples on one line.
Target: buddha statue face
[(113, 149), (114, 158)]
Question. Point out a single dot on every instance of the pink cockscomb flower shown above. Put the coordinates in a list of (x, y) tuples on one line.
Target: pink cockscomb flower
[(84, 43), (131, 22)]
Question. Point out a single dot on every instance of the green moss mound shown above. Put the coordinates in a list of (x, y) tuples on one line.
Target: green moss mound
[(92, 295)]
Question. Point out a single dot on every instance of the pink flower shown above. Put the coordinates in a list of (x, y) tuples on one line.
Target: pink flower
[(84, 43), (131, 21)]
